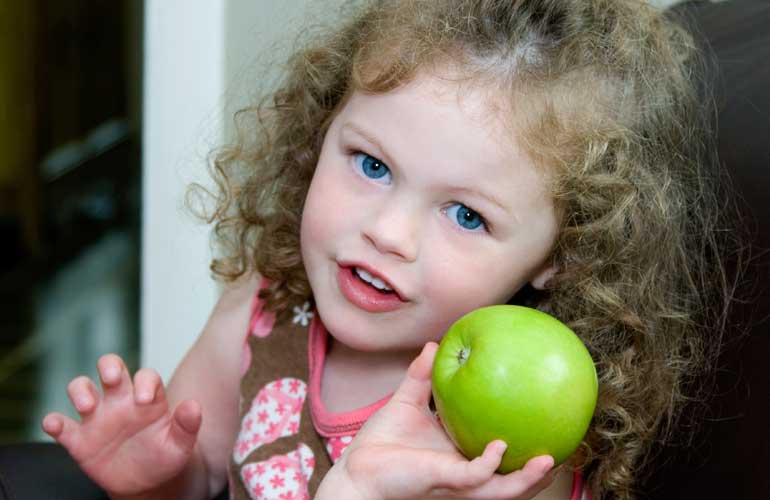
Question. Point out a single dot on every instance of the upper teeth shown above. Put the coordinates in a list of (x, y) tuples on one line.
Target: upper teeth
[(376, 282)]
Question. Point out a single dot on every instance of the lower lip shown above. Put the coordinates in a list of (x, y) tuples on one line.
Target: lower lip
[(363, 295)]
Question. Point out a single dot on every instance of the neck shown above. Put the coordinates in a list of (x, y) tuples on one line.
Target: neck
[(352, 379), (344, 355)]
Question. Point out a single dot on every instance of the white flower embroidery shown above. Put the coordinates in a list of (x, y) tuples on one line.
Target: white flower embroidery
[(302, 315)]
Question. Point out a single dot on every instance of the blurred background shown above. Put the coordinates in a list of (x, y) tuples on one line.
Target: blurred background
[(70, 122), (109, 110)]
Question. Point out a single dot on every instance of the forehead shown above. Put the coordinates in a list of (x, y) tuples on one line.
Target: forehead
[(447, 94), (457, 129)]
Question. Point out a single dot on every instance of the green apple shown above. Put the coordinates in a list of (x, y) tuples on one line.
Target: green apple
[(516, 374)]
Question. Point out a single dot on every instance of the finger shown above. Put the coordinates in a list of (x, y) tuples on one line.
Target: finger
[(114, 376), (60, 427), (522, 484), (540, 471), (464, 475), (528, 481), (538, 467), (83, 394), (185, 424), (148, 387), (415, 388)]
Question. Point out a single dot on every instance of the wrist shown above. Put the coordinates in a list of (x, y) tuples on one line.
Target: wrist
[(338, 485)]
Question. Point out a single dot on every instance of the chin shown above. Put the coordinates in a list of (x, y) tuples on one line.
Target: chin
[(348, 331)]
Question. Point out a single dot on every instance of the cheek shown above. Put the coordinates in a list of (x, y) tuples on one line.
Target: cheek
[(328, 210), (457, 287), (313, 228), (318, 200)]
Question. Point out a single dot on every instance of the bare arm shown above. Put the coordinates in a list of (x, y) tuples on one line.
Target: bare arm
[(210, 374)]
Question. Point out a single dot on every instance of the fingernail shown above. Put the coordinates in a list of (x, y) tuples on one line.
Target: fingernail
[(83, 403), (50, 424), (111, 373), (144, 397)]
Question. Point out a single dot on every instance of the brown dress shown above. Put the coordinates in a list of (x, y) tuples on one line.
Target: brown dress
[(287, 440)]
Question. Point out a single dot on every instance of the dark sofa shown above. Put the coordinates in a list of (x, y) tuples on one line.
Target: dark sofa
[(731, 457)]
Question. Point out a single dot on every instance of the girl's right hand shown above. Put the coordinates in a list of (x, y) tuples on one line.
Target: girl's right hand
[(127, 441), (403, 453)]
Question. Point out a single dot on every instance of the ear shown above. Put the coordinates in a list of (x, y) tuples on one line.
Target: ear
[(541, 278)]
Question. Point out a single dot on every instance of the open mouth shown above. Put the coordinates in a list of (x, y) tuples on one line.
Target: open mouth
[(368, 291), (373, 281)]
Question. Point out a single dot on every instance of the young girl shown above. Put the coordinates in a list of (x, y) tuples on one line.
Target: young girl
[(425, 159)]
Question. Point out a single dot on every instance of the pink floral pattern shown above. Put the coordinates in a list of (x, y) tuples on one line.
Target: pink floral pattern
[(281, 477), (274, 413), (335, 446)]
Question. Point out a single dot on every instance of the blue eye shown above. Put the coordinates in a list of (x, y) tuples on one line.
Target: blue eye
[(371, 166), (465, 217)]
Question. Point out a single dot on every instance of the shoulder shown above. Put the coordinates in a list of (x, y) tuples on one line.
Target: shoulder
[(232, 312)]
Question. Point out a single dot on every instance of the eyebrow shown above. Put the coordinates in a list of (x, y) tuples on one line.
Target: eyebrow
[(457, 189), (488, 197), (367, 137)]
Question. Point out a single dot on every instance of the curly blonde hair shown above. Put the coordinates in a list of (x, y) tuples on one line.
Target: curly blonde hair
[(604, 95)]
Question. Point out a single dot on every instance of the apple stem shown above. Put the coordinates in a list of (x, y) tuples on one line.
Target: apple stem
[(462, 355)]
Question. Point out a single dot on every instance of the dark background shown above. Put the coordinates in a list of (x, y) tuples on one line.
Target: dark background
[(70, 121), (730, 456)]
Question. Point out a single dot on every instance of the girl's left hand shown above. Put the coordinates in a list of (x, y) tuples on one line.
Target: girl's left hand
[(402, 452)]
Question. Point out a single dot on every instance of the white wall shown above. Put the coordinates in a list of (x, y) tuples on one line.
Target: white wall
[(184, 79), (202, 62)]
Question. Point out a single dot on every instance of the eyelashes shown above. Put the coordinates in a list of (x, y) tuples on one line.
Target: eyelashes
[(371, 167), (462, 215), (466, 217)]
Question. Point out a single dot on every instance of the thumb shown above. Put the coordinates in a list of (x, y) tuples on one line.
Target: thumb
[(185, 424), (415, 388)]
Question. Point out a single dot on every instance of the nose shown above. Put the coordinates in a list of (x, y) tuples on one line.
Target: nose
[(393, 229)]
